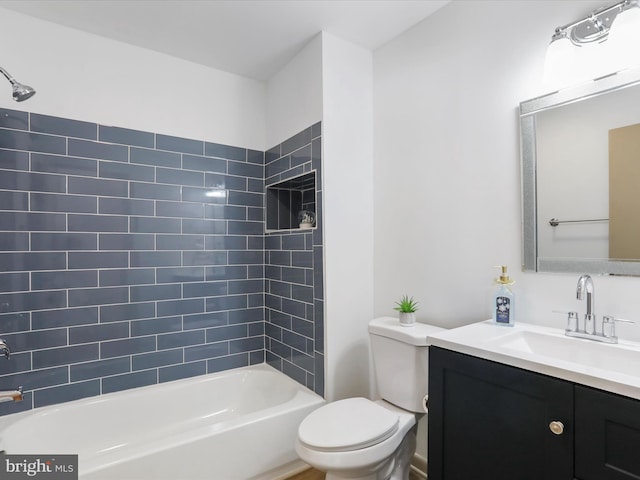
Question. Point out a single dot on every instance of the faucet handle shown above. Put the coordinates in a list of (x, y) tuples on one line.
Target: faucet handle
[(609, 325), (572, 320)]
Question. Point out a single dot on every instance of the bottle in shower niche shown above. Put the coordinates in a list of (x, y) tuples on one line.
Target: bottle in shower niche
[(503, 305)]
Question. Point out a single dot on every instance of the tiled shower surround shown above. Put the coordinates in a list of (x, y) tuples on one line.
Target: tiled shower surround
[(294, 303), (130, 258)]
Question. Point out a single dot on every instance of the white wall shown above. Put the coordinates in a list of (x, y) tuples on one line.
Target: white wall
[(294, 94), (331, 80), (446, 175), (446, 167), (91, 78), (347, 75)]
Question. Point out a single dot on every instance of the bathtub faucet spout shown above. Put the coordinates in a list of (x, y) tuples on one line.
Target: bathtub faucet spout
[(11, 395)]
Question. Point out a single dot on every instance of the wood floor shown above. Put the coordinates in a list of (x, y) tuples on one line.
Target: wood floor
[(313, 474), (310, 474)]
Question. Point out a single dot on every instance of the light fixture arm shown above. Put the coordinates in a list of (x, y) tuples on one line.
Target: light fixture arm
[(597, 22), (600, 19)]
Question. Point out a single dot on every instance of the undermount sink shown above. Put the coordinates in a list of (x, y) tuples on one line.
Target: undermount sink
[(547, 350), (587, 353)]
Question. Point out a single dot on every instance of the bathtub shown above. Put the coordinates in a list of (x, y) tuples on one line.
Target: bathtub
[(235, 425)]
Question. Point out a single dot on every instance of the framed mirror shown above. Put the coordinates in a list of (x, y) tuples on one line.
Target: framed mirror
[(580, 153)]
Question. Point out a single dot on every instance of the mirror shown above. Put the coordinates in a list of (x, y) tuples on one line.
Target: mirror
[(580, 152)]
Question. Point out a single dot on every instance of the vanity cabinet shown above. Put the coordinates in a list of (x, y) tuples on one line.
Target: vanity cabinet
[(489, 421)]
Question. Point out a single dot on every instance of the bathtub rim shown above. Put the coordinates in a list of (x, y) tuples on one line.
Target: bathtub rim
[(8, 420), (279, 473)]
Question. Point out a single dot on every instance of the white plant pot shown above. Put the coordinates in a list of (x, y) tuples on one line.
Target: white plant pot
[(407, 319)]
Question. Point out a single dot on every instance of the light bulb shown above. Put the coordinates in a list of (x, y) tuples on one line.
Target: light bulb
[(559, 64), (624, 39), (596, 60)]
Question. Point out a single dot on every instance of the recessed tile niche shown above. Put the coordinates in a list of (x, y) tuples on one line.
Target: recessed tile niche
[(286, 199)]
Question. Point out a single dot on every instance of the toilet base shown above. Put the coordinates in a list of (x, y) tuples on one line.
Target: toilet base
[(404, 455), (397, 467)]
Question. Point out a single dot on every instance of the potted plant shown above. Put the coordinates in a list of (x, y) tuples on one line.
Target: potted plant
[(407, 307)]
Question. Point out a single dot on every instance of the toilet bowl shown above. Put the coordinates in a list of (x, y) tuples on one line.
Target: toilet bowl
[(361, 439), (357, 438)]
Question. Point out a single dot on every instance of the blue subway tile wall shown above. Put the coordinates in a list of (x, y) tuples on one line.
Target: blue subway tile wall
[(129, 258), (294, 325)]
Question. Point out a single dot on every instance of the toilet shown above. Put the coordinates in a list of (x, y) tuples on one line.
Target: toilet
[(361, 439)]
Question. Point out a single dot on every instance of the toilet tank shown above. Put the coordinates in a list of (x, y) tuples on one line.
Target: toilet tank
[(401, 361)]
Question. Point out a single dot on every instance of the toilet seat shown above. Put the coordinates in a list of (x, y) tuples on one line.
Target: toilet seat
[(347, 425)]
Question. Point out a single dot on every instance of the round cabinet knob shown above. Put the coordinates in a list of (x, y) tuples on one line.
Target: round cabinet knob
[(556, 427)]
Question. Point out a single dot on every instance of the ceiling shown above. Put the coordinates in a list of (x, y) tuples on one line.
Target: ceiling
[(252, 38)]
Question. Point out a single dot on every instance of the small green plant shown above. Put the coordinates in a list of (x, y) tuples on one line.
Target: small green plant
[(406, 305)]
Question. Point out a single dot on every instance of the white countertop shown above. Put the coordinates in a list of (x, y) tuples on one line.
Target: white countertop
[(614, 368)]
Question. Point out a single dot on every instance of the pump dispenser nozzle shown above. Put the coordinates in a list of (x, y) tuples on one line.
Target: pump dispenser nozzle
[(504, 279)]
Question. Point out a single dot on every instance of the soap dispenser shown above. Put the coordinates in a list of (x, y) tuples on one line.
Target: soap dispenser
[(503, 305)]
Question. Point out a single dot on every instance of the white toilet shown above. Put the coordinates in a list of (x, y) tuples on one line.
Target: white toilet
[(361, 439)]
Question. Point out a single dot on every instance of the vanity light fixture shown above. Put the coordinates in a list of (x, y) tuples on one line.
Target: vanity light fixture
[(605, 42)]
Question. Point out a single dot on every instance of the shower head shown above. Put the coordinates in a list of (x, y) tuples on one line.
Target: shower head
[(20, 92)]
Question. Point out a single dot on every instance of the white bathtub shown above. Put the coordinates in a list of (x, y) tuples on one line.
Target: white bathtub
[(235, 425)]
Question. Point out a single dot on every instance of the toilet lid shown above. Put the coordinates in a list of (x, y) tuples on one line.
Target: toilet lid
[(347, 425)]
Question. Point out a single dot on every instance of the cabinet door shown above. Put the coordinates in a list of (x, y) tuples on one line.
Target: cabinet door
[(489, 421), (607, 436)]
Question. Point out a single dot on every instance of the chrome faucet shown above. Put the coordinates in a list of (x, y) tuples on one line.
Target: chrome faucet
[(585, 284), (607, 332)]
